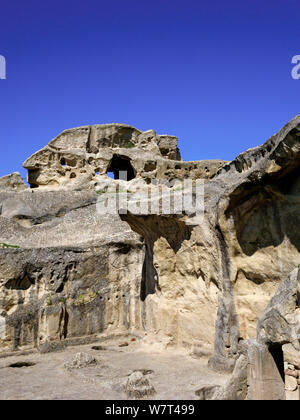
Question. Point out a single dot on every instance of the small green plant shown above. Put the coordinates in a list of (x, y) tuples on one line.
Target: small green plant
[(129, 145), (62, 300), (116, 191), (48, 301), (4, 245), (124, 191), (82, 299), (178, 188)]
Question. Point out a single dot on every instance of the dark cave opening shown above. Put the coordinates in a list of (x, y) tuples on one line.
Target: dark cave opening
[(121, 168), (149, 281), (21, 283), (277, 354), (32, 176)]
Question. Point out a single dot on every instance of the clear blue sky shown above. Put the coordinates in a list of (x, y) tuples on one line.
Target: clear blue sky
[(217, 74)]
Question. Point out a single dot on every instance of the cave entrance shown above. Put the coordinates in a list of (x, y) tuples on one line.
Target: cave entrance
[(149, 282), (277, 354), (121, 168), (32, 177)]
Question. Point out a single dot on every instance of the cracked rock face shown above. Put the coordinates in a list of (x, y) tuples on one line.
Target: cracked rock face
[(200, 284), (280, 322)]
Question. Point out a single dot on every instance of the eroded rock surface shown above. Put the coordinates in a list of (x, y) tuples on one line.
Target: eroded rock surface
[(138, 387), (175, 280), (79, 157), (81, 360), (12, 182)]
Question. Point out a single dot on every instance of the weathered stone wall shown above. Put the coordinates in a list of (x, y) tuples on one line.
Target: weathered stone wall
[(169, 279), (50, 294), (81, 157)]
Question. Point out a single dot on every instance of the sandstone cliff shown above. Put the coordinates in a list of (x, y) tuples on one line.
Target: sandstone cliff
[(169, 278)]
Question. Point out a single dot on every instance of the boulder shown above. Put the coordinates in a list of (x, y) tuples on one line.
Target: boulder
[(12, 182), (138, 386), (81, 360)]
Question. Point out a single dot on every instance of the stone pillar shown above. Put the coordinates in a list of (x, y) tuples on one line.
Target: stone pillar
[(264, 378)]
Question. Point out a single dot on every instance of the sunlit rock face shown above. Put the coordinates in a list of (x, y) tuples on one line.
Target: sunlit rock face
[(80, 157), (169, 279)]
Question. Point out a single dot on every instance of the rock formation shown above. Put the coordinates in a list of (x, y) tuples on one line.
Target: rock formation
[(68, 273), (81, 360), (138, 386)]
